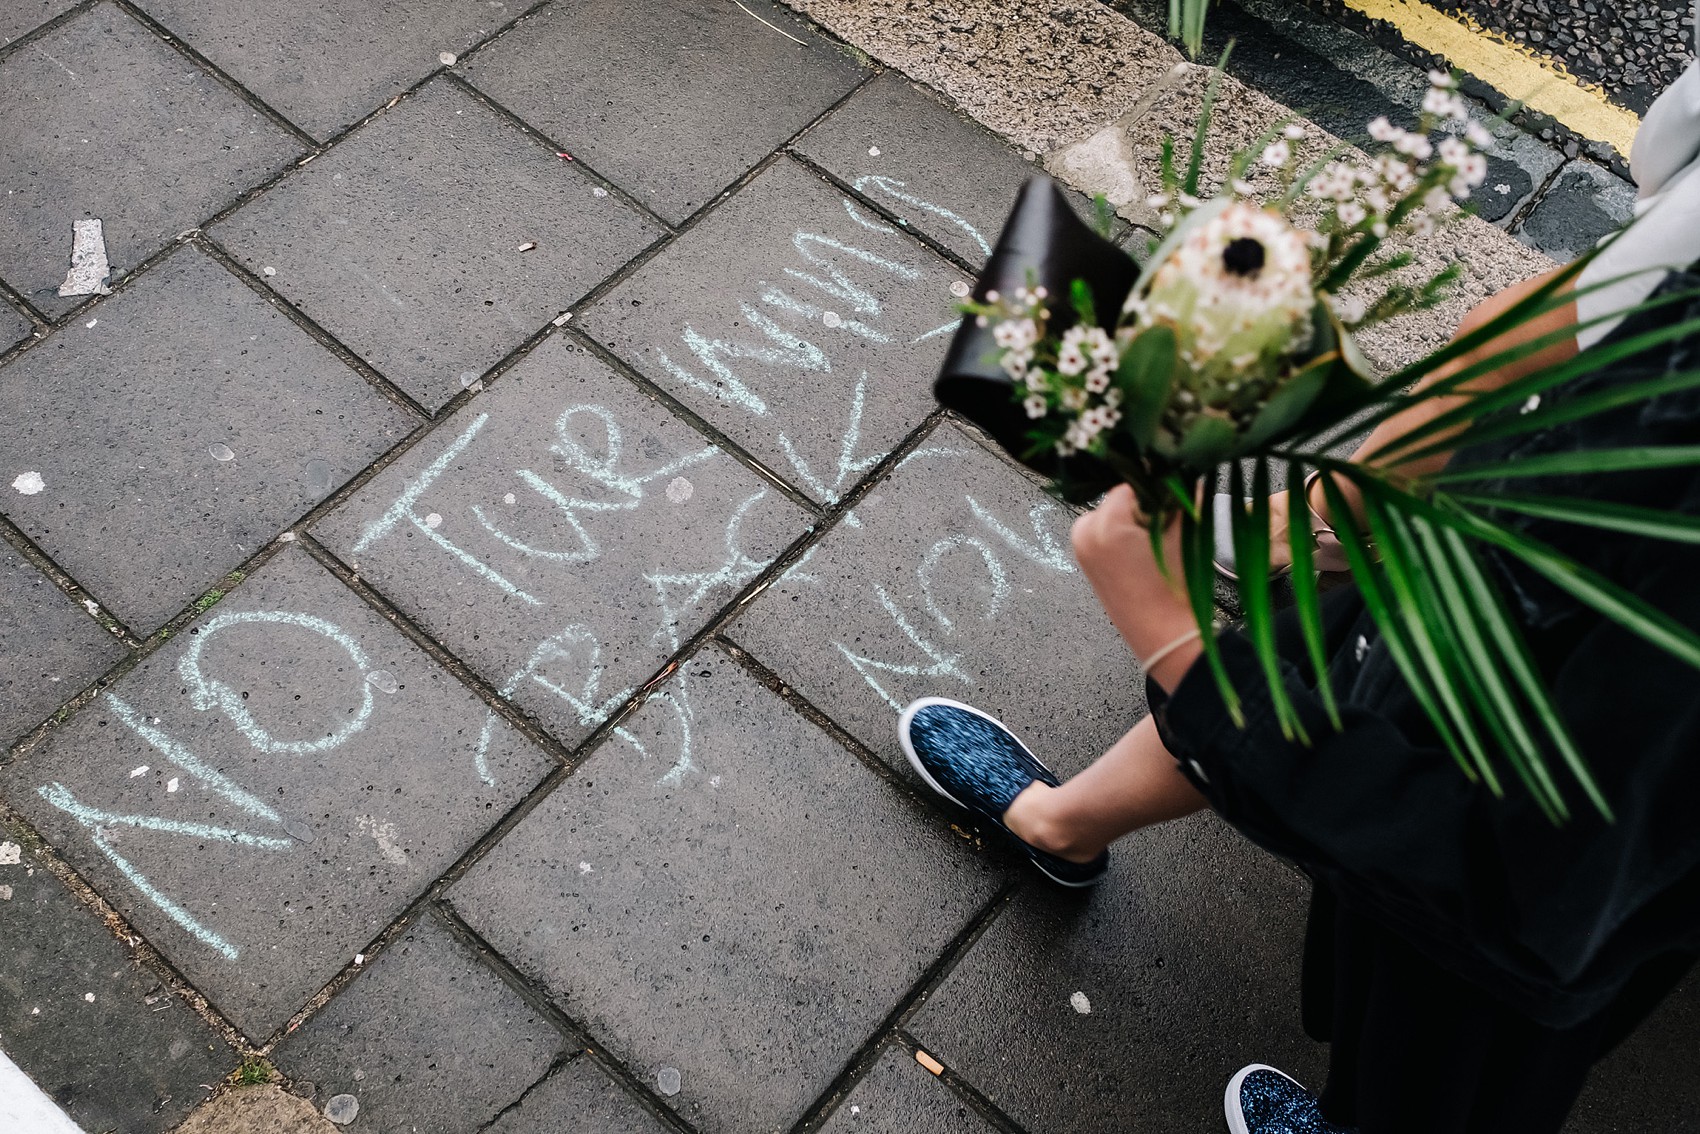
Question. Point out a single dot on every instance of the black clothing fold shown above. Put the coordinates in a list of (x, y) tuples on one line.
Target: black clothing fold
[(1554, 921)]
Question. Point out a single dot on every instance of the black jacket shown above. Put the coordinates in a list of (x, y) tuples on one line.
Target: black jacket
[(1553, 920)]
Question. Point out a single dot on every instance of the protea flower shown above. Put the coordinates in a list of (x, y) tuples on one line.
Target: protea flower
[(1236, 287)]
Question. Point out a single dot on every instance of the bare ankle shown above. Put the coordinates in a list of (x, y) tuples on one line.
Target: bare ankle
[(1030, 818)]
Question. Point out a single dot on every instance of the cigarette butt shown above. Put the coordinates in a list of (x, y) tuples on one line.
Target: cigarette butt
[(527, 246), (929, 1062)]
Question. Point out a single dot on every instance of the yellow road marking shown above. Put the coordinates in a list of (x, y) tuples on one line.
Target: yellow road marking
[(1510, 68)]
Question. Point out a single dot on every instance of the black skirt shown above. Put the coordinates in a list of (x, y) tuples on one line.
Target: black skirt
[(1417, 1050)]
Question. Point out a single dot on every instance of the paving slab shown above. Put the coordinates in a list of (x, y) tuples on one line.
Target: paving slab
[(175, 432), (105, 121), (673, 100), (1131, 1007), (899, 1096), (14, 328), (564, 535), (273, 787), (49, 649), (579, 1099), (110, 1043), (323, 64), (953, 578), (428, 1039), (736, 937), (405, 240), (20, 17), (1586, 204), (805, 329), (930, 164)]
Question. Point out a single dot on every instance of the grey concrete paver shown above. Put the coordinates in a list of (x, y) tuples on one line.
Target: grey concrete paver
[(112, 1045), (955, 579), (427, 1039), (103, 120), (747, 928), (564, 536), (176, 431), (14, 328), (805, 329), (930, 165), (267, 792), (579, 1099), (405, 241), (671, 99), (20, 17), (1130, 1010), (325, 65), (898, 1096), (49, 650), (1586, 204)]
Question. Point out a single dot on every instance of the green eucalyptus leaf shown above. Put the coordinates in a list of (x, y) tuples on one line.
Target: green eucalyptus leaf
[(1145, 377), (1209, 440), (1287, 406)]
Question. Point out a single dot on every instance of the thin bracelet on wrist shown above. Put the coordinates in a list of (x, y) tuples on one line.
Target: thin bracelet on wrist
[(1163, 653)]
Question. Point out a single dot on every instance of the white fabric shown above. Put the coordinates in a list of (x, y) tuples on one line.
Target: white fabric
[(24, 1109), (1664, 162)]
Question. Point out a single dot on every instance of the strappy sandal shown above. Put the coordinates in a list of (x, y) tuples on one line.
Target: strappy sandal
[(1326, 553)]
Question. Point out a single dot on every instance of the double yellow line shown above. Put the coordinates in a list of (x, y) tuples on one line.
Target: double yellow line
[(1509, 67)]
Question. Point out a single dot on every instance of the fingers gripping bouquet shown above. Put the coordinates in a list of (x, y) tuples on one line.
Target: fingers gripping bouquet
[(1234, 347)]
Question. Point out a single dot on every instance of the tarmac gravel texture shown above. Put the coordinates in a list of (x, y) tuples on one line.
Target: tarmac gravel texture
[(1633, 49)]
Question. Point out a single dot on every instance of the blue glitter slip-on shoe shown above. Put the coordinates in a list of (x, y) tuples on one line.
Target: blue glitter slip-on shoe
[(973, 761), (1262, 1100)]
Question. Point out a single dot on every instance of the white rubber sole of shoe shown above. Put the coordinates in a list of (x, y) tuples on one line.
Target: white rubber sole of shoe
[(1231, 1097), (908, 715)]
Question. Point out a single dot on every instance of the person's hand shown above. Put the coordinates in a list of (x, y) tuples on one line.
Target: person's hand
[(1113, 546), (1149, 608)]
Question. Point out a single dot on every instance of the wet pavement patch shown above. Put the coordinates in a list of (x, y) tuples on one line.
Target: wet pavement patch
[(899, 1096)]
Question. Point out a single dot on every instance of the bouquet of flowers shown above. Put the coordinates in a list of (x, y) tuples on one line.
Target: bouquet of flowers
[(1233, 350)]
